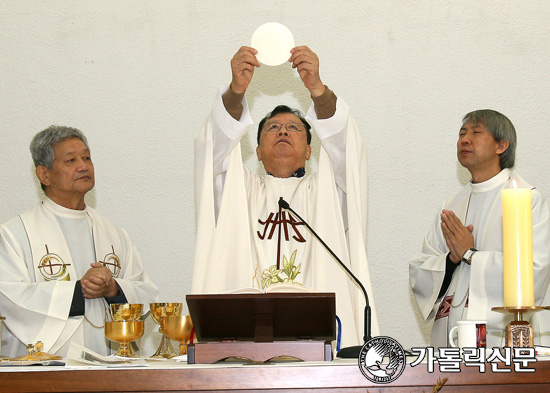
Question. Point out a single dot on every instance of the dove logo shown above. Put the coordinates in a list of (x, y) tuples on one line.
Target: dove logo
[(382, 360)]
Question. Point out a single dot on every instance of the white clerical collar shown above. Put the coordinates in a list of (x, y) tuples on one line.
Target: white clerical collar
[(61, 211), (493, 182)]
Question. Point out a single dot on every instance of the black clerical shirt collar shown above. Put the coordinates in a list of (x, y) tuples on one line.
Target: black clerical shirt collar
[(300, 172)]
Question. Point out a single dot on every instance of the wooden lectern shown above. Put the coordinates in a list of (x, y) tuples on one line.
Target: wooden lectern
[(262, 327)]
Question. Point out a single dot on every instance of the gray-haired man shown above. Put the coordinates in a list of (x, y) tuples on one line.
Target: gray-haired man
[(458, 274), (61, 262)]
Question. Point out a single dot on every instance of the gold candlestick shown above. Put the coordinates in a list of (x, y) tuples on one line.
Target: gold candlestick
[(519, 333)]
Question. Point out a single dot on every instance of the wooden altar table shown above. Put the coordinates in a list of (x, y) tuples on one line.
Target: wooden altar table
[(336, 376)]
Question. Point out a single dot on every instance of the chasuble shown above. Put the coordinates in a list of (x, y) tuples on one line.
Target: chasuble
[(43, 252), (245, 240)]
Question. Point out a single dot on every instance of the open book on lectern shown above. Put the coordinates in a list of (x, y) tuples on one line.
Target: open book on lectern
[(264, 317), (275, 288)]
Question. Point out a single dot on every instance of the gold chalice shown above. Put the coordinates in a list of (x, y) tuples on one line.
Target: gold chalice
[(126, 311), (159, 310), (124, 332), (178, 327)]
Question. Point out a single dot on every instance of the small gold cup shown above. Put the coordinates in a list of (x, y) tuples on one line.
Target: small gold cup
[(159, 310), (126, 311), (124, 332), (178, 327)]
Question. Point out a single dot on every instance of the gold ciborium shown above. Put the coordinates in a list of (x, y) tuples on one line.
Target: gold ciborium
[(126, 311), (159, 310), (124, 332), (178, 327)]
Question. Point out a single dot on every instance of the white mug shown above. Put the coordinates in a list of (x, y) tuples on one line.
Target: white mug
[(471, 334)]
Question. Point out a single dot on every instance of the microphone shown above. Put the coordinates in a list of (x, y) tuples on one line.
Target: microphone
[(348, 352)]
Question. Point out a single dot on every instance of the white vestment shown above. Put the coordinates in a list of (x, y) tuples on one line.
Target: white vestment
[(476, 288), (43, 252), (242, 234)]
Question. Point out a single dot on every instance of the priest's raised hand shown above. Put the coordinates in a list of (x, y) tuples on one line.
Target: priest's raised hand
[(307, 64), (243, 65)]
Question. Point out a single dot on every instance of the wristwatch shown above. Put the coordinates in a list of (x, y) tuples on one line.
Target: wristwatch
[(467, 257)]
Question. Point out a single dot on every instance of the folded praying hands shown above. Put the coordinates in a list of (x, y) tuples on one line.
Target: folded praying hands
[(458, 237), (98, 282)]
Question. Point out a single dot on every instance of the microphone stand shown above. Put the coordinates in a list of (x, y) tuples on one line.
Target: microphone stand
[(348, 352)]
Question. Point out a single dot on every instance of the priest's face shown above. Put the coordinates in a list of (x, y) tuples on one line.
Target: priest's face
[(284, 151), (72, 174), (478, 151)]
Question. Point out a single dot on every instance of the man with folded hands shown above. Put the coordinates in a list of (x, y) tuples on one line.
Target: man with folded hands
[(61, 262)]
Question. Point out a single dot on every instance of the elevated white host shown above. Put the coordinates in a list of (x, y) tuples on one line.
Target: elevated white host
[(273, 41)]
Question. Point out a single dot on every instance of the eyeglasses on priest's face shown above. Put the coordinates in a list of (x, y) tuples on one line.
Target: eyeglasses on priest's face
[(290, 126)]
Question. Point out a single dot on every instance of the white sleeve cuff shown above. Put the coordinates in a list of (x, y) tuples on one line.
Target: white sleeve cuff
[(233, 129), (331, 126)]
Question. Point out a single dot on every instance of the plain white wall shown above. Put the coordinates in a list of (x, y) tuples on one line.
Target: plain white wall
[(138, 77)]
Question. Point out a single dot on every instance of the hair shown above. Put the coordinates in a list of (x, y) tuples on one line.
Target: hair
[(501, 128), (42, 145), (285, 109)]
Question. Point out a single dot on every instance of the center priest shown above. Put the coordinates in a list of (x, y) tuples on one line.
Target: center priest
[(244, 239)]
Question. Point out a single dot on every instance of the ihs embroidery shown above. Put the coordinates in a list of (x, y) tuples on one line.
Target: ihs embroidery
[(282, 222)]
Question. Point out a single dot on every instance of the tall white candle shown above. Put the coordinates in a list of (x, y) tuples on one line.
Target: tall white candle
[(517, 247)]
